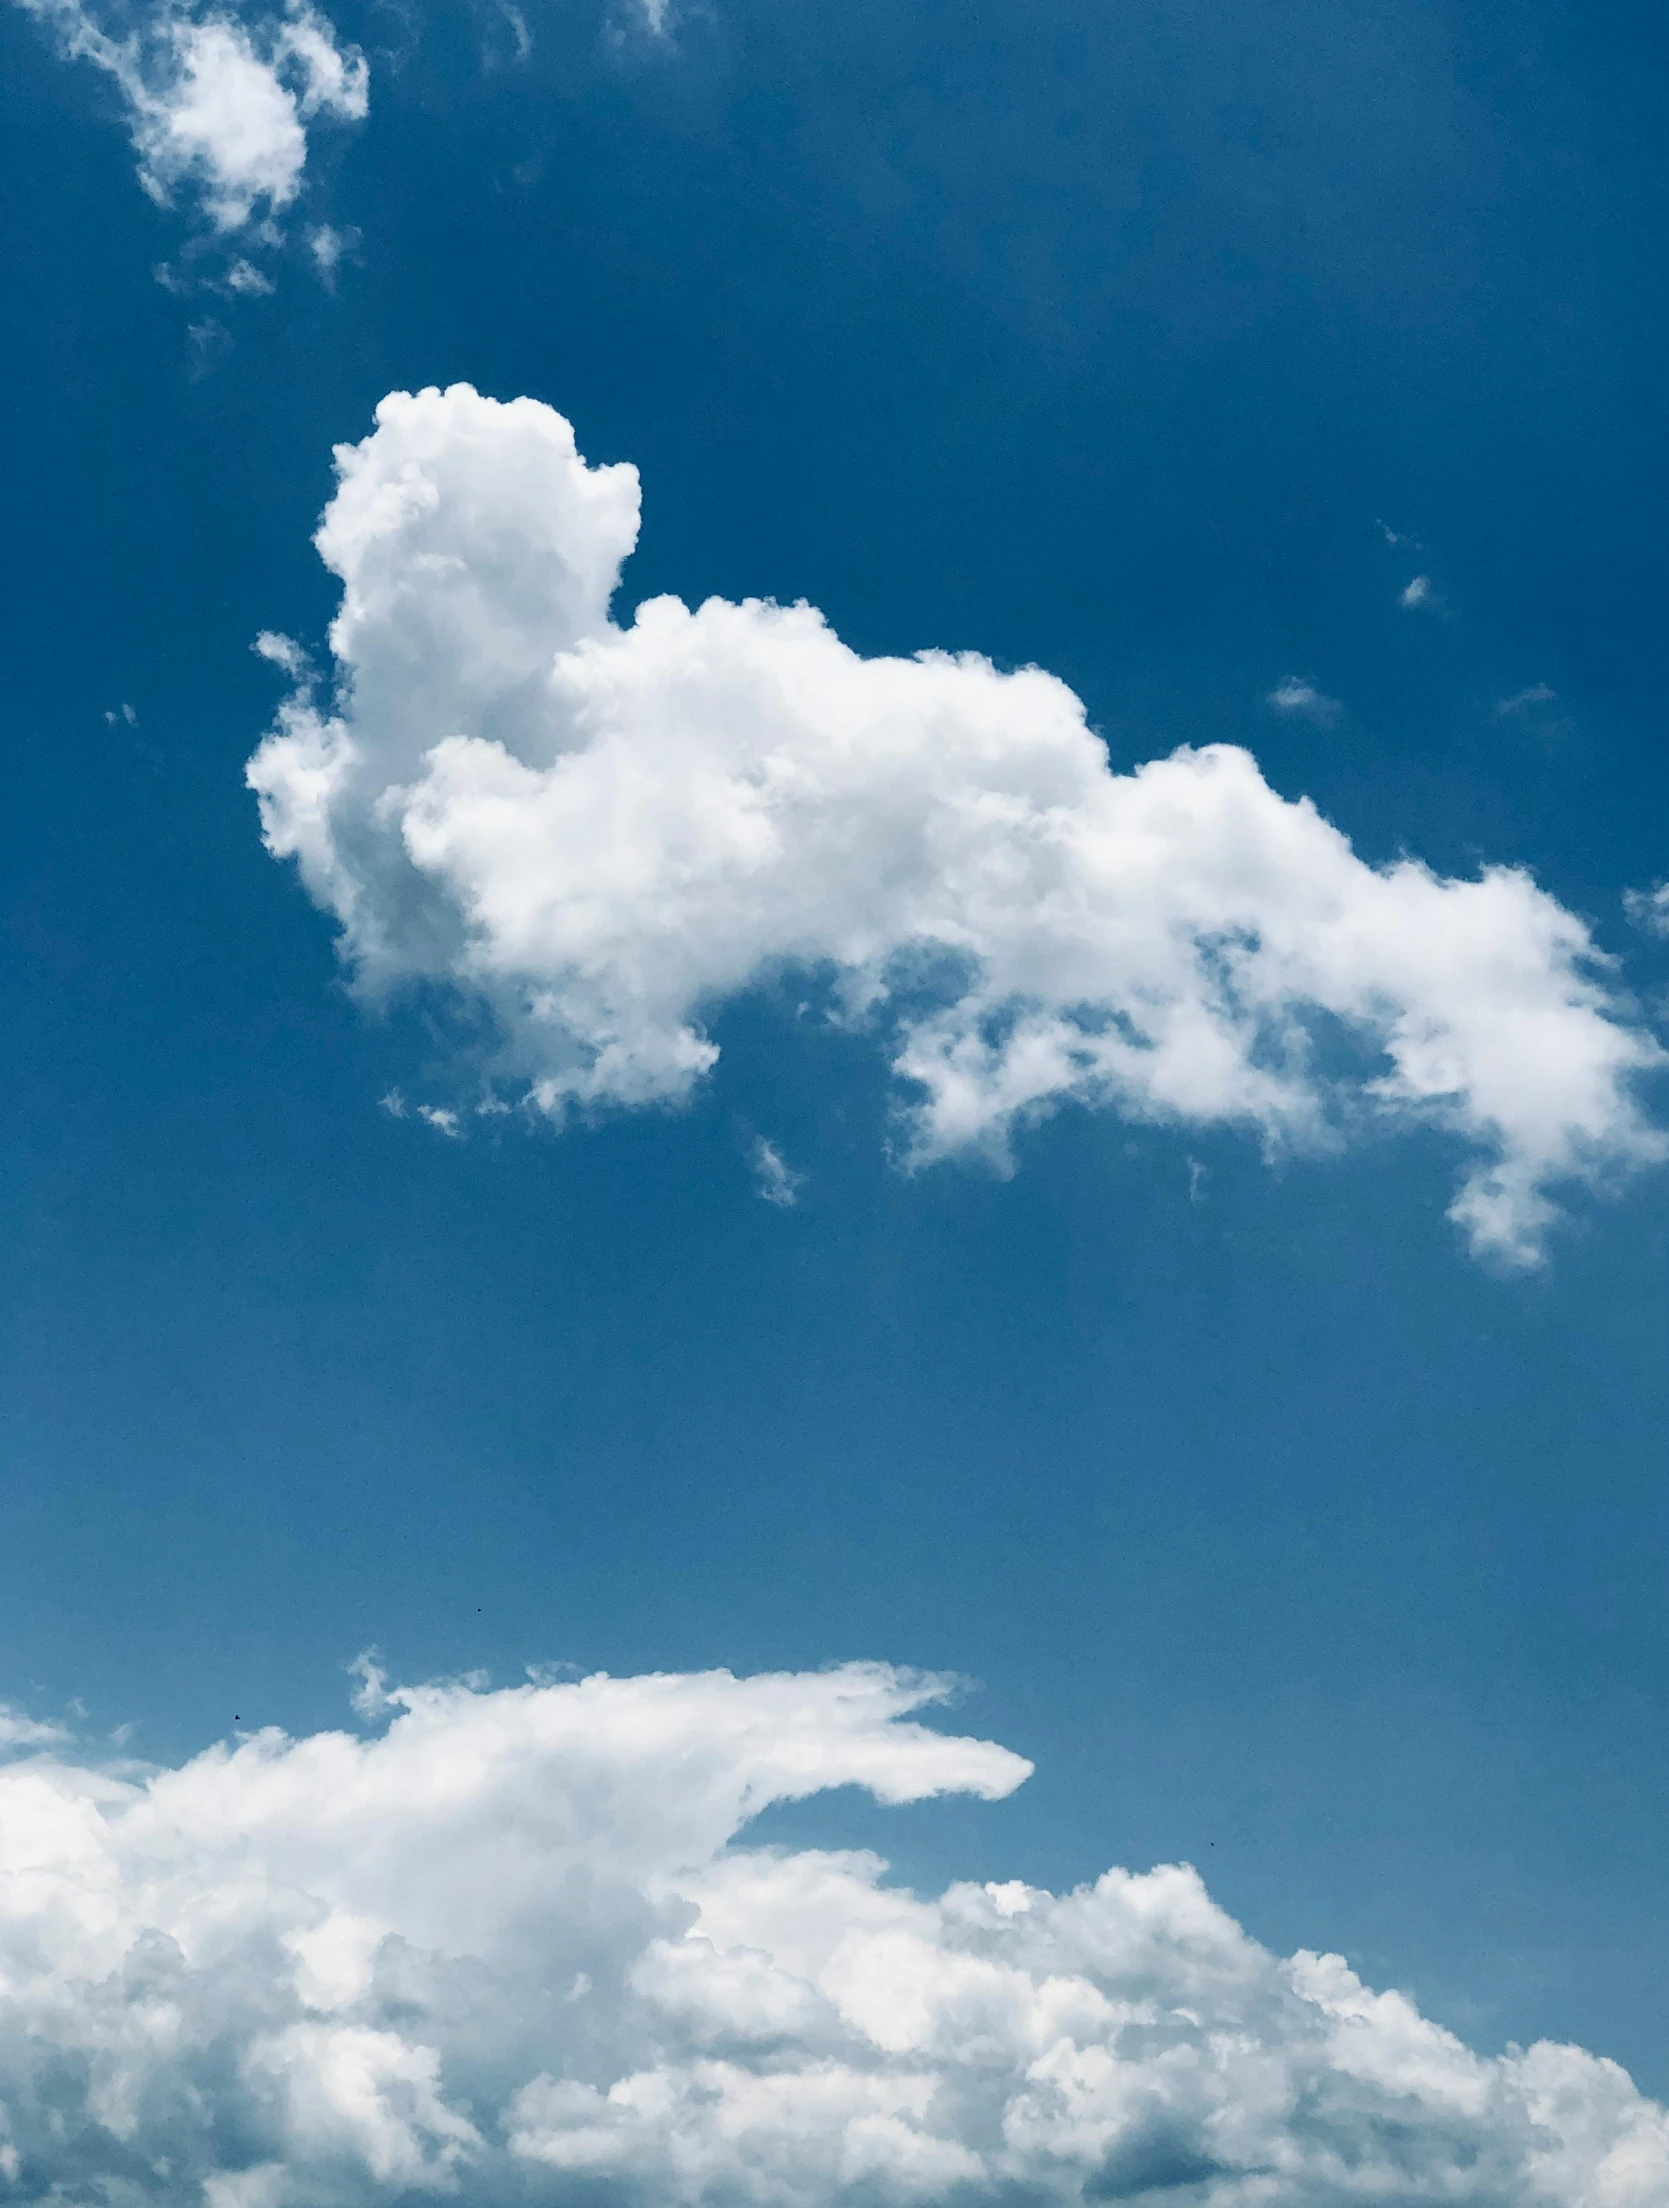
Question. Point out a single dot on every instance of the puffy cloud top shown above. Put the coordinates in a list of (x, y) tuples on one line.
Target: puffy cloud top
[(604, 832), (217, 106), (512, 1948)]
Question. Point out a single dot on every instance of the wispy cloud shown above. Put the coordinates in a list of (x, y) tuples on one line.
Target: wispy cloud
[(1539, 693), (1296, 694), (219, 108), (20, 1731), (1649, 909), (775, 1179)]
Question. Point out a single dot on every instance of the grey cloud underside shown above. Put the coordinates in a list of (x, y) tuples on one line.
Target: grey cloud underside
[(600, 833), (513, 1948)]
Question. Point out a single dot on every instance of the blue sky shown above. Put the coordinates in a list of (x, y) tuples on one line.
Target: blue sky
[(1162, 347)]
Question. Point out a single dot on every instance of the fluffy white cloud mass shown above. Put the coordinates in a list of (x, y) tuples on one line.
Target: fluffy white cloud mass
[(510, 1949), (218, 106), (603, 832)]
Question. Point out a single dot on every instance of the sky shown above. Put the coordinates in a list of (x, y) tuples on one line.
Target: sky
[(572, 1103)]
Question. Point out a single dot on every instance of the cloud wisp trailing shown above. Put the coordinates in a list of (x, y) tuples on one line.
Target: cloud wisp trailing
[(775, 1179), (219, 108), (512, 1947), (601, 833)]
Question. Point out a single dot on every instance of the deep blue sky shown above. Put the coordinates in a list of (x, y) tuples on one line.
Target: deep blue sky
[(1285, 1538)]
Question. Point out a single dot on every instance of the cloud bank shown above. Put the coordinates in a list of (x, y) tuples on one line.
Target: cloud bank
[(219, 108), (600, 833), (511, 1948)]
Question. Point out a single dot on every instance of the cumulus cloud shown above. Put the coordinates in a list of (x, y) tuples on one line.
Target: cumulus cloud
[(1416, 594), (599, 833), (219, 108), (515, 1946)]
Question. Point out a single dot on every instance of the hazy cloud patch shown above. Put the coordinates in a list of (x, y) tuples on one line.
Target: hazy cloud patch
[(775, 1179), (1538, 693), (1297, 695), (1649, 908)]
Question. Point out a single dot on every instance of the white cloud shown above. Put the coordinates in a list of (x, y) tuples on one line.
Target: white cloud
[(244, 276), (329, 247), (1296, 694), (1417, 593), (601, 833), (774, 1177), (512, 1948), (217, 107), (18, 1731), (1649, 908), (284, 653)]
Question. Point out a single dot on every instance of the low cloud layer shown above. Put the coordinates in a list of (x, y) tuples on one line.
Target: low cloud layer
[(510, 1948), (601, 833), (219, 108)]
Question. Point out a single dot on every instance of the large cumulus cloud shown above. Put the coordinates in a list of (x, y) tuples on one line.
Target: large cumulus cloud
[(509, 1947), (600, 833)]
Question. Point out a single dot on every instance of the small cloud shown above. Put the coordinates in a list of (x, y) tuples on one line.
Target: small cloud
[(284, 653), (653, 16), (774, 1177), (1539, 693), (1199, 1177), (370, 1697), (18, 1731), (1296, 694), (217, 109), (518, 28), (1396, 539), (126, 713), (330, 247), (439, 1116), (244, 278), (1416, 594), (210, 342), (1649, 909)]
